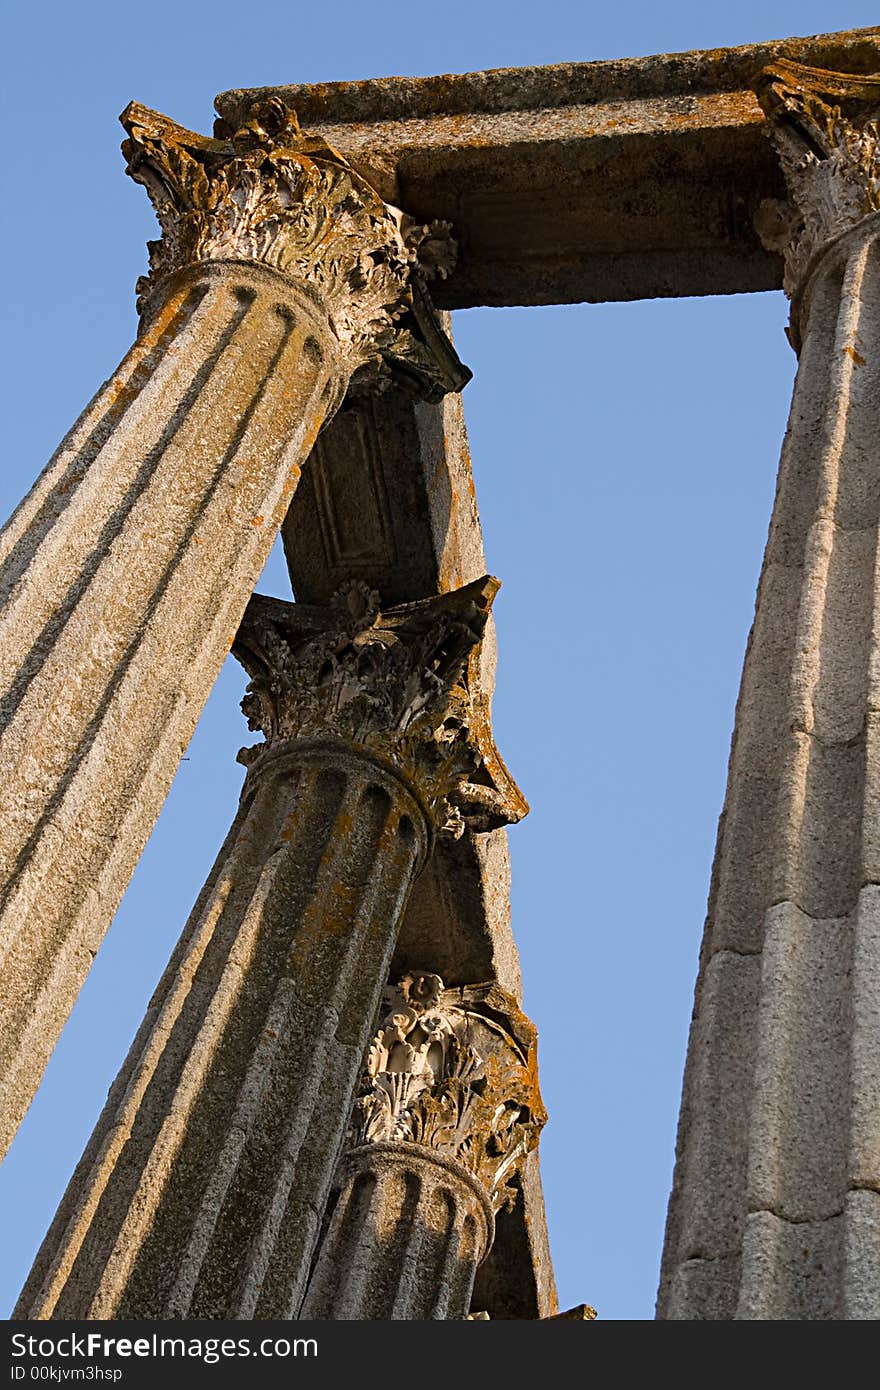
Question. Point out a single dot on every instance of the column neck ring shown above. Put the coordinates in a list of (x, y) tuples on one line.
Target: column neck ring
[(831, 250), (299, 294), (408, 1151), (272, 758)]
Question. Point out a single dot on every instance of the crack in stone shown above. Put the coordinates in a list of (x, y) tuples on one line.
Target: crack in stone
[(816, 737), (797, 1220), (709, 1259), (814, 917), (731, 951)]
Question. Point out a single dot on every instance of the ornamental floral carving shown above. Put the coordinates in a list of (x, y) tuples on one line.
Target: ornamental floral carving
[(454, 1071), (393, 683), (825, 129), (268, 193)]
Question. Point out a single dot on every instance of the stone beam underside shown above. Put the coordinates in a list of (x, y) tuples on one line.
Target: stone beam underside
[(630, 179)]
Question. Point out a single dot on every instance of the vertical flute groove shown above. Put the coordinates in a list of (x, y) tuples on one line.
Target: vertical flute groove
[(285, 1071)]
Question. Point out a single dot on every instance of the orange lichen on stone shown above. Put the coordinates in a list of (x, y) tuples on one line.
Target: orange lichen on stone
[(69, 483)]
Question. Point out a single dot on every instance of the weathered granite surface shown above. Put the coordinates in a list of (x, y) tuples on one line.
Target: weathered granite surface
[(774, 1210), (388, 496), (406, 1234), (447, 1111), (627, 179), (202, 1189), (125, 572)]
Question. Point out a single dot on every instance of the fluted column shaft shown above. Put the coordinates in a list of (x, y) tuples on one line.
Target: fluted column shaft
[(200, 1192), (775, 1211), (124, 574), (407, 1234), (202, 1189)]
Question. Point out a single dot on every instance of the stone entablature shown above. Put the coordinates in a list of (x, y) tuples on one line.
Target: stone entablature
[(287, 275), (627, 179)]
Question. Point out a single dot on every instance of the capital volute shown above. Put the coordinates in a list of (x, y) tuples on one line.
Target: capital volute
[(268, 194), (825, 128), (453, 1071), (397, 685)]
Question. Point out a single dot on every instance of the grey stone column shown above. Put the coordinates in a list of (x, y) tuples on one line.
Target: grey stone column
[(449, 1108), (775, 1210), (125, 572), (201, 1191), (388, 497)]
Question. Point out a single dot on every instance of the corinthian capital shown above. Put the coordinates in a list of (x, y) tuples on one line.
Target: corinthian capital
[(455, 1071), (394, 683), (268, 194), (825, 129)]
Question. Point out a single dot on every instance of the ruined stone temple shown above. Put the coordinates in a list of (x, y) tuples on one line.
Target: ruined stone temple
[(332, 1108)]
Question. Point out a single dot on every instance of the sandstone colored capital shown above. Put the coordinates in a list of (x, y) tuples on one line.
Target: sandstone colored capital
[(825, 129), (267, 194), (398, 685)]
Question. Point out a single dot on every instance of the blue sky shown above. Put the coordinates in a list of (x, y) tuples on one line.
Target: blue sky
[(624, 458)]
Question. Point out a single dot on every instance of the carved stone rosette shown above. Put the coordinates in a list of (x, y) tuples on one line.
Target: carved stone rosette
[(445, 1073), (448, 1109)]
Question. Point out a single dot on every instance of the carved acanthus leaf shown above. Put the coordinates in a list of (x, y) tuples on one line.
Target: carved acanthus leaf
[(825, 129), (444, 1072), (270, 194), (393, 683)]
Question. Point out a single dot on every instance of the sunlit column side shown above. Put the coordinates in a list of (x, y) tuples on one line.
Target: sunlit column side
[(201, 1191), (124, 573), (448, 1109), (775, 1210)]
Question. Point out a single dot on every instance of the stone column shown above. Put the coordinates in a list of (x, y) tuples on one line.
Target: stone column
[(124, 574), (775, 1210), (388, 498), (448, 1109), (201, 1191)]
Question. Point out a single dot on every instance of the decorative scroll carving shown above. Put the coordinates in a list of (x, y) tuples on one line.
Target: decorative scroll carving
[(492, 797), (825, 128), (270, 194), (445, 1071), (393, 683)]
